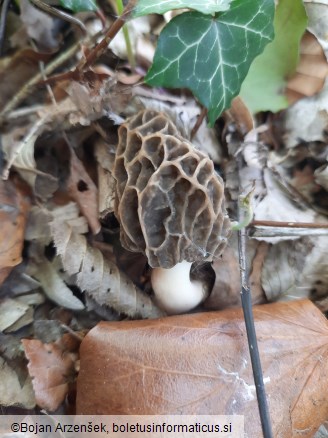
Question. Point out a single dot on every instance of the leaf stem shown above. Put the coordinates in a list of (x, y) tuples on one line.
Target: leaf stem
[(129, 51)]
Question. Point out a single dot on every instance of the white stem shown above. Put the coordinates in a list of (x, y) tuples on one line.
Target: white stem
[(174, 291)]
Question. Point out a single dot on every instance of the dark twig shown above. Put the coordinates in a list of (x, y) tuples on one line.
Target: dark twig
[(100, 48), (96, 52), (3, 19), (199, 121)]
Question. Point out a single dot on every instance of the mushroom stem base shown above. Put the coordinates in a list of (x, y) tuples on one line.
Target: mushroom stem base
[(174, 291)]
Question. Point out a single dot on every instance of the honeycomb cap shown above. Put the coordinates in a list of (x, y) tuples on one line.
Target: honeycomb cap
[(170, 201)]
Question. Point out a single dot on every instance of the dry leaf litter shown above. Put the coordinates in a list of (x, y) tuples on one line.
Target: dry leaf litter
[(63, 268)]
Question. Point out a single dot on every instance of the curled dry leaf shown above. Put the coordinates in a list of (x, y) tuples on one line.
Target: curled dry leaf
[(311, 72), (54, 286), (97, 276), (199, 364), (52, 367), (84, 191), (13, 213), (317, 12)]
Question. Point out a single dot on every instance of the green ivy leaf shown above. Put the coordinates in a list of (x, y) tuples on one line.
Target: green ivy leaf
[(79, 5), (263, 88), (211, 55), (145, 7)]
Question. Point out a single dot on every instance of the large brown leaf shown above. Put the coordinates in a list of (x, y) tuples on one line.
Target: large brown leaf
[(199, 364)]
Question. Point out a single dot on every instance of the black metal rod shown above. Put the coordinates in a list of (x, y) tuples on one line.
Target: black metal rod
[(246, 299)]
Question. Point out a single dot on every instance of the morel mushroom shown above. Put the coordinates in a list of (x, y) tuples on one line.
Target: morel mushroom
[(170, 205)]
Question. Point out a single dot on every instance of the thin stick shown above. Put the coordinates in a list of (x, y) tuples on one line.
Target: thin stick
[(286, 233), (259, 223), (48, 9), (100, 48), (97, 51), (199, 121), (129, 51), (246, 299)]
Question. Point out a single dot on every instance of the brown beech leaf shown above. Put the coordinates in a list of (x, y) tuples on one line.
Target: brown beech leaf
[(199, 364), (84, 191), (52, 367), (13, 213)]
